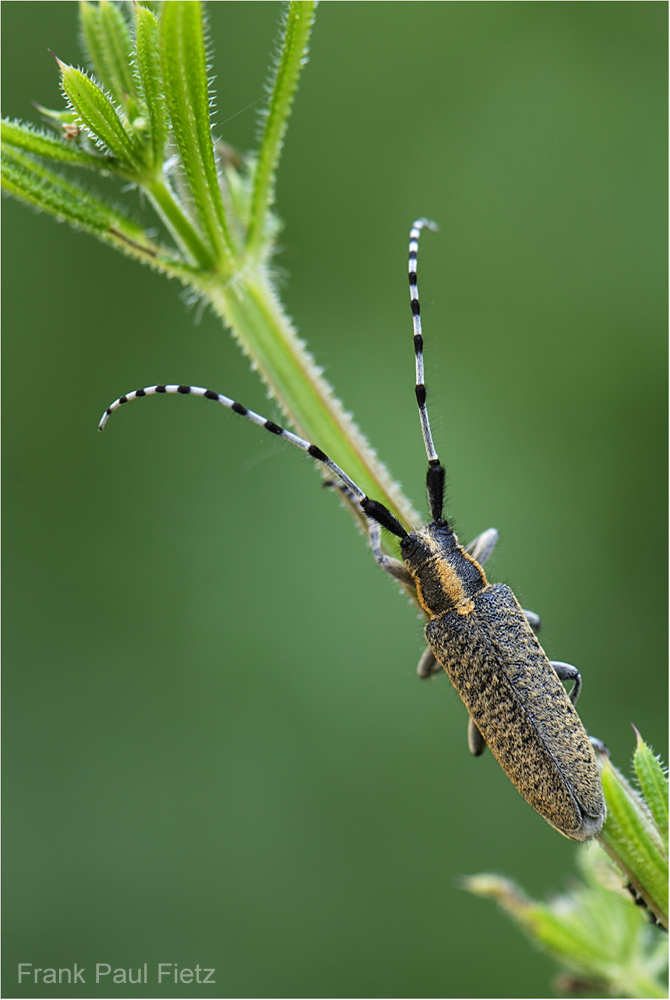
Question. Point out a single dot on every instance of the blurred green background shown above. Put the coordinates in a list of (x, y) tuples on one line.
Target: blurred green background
[(216, 748)]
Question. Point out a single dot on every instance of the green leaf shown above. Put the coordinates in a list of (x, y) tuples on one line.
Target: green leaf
[(182, 50), (633, 840), (292, 56), (653, 785), (107, 41), (32, 182), (151, 83), (29, 180), (100, 117), (27, 138), (595, 930)]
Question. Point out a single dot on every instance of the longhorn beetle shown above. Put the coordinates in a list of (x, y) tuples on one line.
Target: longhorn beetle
[(476, 631)]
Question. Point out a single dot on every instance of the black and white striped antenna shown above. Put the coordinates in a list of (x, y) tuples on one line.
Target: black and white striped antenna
[(435, 474), (371, 508)]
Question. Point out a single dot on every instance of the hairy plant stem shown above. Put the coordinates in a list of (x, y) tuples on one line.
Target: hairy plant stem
[(174, 218)]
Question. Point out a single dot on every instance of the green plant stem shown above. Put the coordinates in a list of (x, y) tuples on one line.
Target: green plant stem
[(178, 224)]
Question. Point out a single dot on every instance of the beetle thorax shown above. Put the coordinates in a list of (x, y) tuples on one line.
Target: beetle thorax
[(446, 577)]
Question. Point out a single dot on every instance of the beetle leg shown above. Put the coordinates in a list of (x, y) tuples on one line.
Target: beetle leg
[(566, 672), (394, 567), (533, 620), (476, 742), (428, 665), (481, 547)]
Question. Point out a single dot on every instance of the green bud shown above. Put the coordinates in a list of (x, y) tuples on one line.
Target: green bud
[(100, 117)]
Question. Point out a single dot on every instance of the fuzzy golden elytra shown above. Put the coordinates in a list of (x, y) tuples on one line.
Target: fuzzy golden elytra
[(476, 632)]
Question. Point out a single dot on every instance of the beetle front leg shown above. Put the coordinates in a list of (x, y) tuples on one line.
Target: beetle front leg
[(566, 672), (481, 547), (394, 567)]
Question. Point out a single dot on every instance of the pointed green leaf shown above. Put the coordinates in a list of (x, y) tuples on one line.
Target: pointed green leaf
[(27, 138), (107, 41), (32, 182), (292, 56), (653, 785), (184, 67), (632, 839), (151, 83), (100, 117)]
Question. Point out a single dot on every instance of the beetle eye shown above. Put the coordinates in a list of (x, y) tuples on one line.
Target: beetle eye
[(412, 548), (407, 545)]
